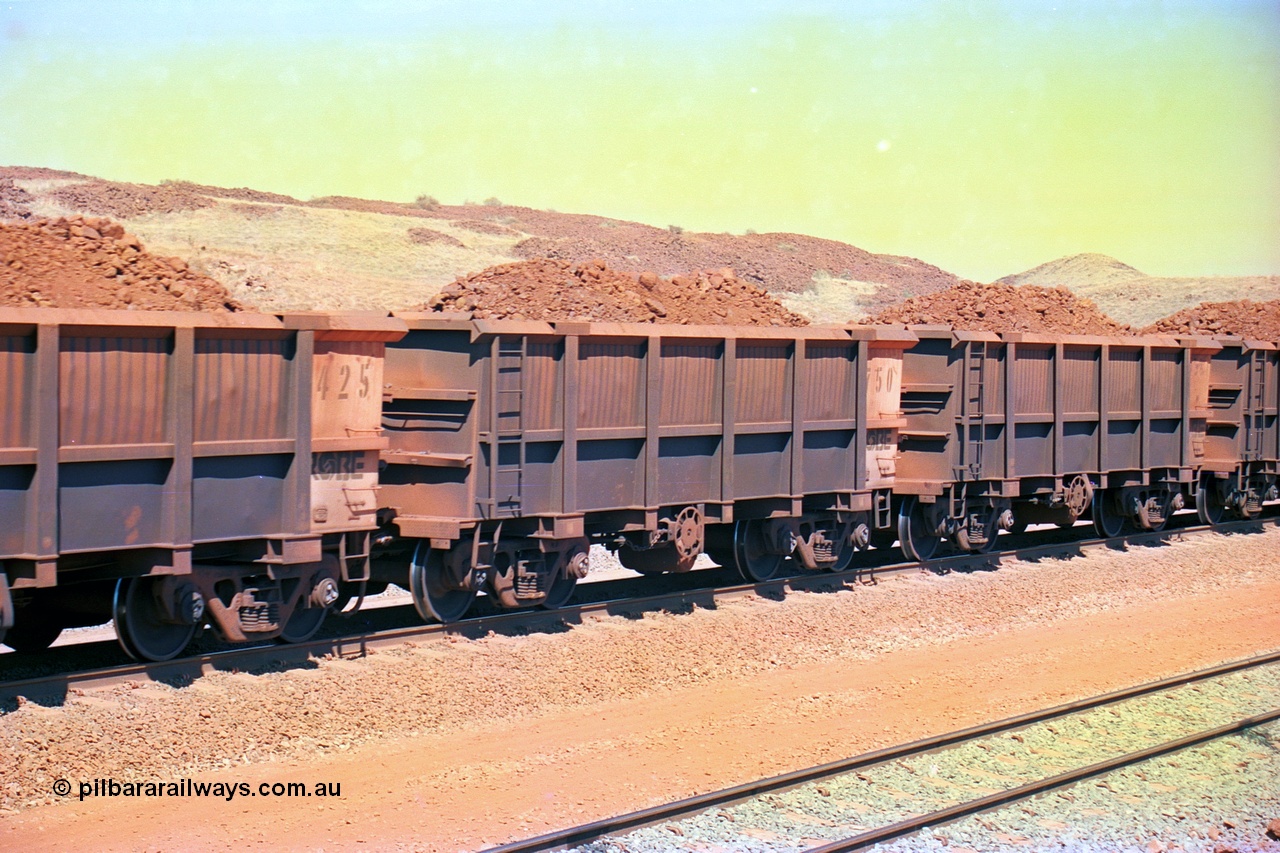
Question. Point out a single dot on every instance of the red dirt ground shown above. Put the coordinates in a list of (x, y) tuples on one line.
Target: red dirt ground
[(87, 262), (544, 289), (1245, 318), (471, 743), (1003, 307)]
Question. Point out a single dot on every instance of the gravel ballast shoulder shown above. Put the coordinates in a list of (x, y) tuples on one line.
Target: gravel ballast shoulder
[(492, 689)]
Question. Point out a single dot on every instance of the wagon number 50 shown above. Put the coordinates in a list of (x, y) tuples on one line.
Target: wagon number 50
[(350, 379)]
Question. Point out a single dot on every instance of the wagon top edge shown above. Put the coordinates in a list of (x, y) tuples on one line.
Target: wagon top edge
[(452, 321), (353, 325), (936, 332)]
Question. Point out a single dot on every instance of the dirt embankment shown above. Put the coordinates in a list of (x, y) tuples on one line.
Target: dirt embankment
[(1005, 308), (547, 289), (88, 262), (1240, 317)]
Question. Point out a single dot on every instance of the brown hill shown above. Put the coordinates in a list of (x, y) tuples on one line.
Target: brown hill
[(1089, 269), (1136, 298), (276, 252)]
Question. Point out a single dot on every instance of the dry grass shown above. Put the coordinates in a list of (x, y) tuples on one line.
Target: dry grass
[(831, 300), (1141, 301), (282, 257)]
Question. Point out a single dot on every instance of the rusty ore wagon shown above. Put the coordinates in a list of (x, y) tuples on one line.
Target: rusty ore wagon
[(168, 469), (1003, 430), (252, 472), (516, 444)]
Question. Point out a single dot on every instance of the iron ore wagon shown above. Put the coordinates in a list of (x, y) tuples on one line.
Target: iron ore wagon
[(168, 469), (1008, 429), (514, 445), (252, 472)]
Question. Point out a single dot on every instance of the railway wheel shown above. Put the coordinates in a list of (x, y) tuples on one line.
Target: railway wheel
[(573, 568), (844, 558), (752, 555), (1210, 506), (561, 591), (433, 598), (1108, 520), (303, 624), (313, 605), (144, 629), (919, 538), (30, 635)]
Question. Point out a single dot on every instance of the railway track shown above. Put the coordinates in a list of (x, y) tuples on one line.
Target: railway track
[(694, 589), (858, 773)]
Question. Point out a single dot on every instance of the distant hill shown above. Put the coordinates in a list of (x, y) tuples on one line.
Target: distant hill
[(274, 252), (1131, 296)]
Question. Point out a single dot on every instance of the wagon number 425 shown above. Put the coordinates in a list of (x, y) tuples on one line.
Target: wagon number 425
[(350, 379)]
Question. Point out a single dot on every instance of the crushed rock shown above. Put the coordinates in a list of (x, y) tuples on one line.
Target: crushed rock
[(1243, 317), (549, 289), (91, 262), (1002, 308)]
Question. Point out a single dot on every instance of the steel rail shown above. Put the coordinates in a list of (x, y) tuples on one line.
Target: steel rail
[(573, 836), (268, 655), (1022, 792)]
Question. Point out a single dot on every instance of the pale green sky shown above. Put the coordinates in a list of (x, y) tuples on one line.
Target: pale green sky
[(984, 139)]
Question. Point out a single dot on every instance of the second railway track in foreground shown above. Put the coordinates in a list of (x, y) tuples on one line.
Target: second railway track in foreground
[(825, 809), (54, 686)]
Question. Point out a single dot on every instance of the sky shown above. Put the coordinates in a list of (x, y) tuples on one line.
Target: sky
[(983, 137)]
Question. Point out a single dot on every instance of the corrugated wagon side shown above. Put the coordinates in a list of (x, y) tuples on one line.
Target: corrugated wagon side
[(164, 469), (1015, 428), (1242, 440), (515, 445)]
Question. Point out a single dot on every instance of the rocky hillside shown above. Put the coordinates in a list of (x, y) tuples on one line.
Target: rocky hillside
[(274, 252), (1131, 296)]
